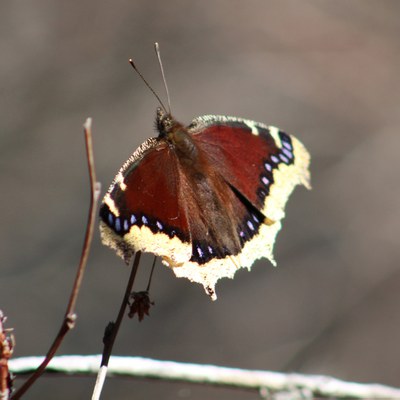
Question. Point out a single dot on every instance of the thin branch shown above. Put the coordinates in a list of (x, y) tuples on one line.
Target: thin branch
[(318, 385), (95, 189), (70, 316), (112, 331)]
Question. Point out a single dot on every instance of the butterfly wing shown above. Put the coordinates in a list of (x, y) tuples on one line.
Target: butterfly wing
[(141, 209), (261, 162), (261, 166)]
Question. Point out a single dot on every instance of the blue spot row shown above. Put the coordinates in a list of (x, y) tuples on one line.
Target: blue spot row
[(122, 224), (203, 252), (285, 155), (250, 227)]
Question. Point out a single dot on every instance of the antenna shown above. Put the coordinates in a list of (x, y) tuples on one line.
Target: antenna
[(148, 85), (157, 49)]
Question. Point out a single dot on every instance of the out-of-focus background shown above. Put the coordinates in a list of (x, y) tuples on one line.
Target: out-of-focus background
[(326, 71)]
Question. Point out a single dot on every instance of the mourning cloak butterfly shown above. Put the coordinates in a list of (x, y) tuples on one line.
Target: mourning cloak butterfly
[(208, 198)]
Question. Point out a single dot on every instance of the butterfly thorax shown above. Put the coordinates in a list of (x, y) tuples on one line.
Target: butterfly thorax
[(177, 137)]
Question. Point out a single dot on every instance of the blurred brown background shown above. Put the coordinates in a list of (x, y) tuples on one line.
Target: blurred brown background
[(326, 71)]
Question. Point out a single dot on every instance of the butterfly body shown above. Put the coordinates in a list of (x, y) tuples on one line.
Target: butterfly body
[(208, 198)]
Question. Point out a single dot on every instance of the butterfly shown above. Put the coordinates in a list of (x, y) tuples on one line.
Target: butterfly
[(208, 198)]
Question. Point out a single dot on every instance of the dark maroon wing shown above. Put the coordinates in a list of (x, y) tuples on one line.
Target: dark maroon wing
[(141, 210), (256, 168), (252, 157)]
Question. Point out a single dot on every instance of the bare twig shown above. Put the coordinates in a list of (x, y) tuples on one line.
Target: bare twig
[(138, 367), (70, 316), (112, 331), (6, 350)]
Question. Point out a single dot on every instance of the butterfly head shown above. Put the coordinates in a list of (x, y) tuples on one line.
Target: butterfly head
[(166, 123)]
